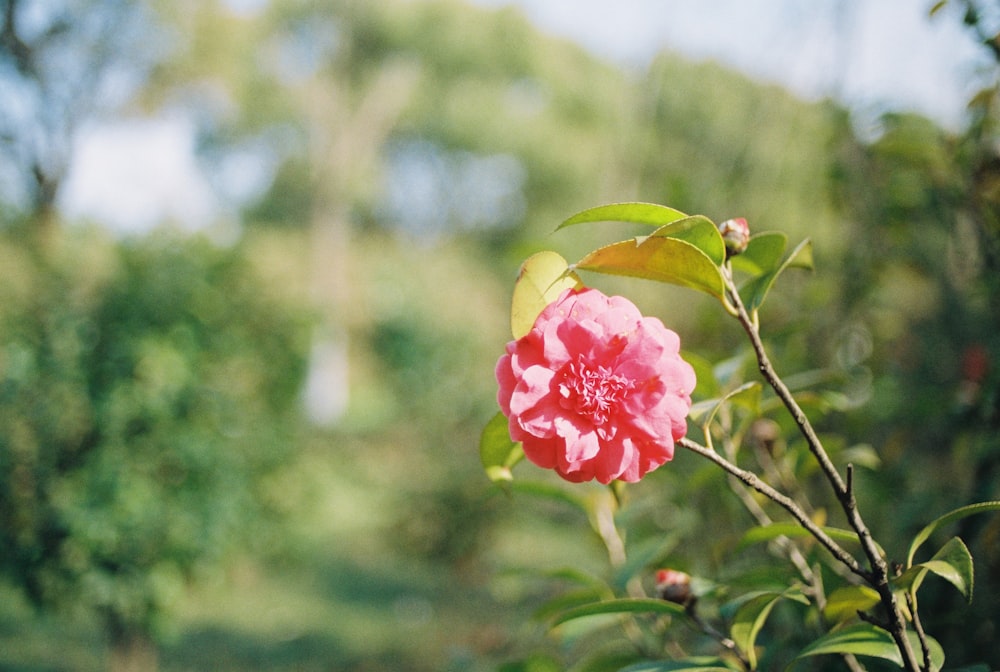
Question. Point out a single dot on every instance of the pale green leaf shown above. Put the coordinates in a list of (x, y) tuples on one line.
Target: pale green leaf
[(746, 395), (542, 278), (763, 253), (657, 258), (950, 517), (638, 213), (844, 603), (497, 451), (699, 231), (621, 606)]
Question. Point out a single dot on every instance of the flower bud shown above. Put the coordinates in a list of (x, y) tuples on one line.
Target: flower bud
[(674, 586), (736, 234)]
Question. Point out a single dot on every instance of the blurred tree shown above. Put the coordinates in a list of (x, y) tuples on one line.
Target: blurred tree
[(60, 64), (148, 390)]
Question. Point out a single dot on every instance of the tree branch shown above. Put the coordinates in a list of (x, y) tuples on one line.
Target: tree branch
[(752, 480), (878, 577)]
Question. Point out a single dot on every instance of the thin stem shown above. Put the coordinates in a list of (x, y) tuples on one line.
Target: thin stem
[(878, 577), (782, 543), (752, 480), (709, 630), (919, 627), (813, 579)]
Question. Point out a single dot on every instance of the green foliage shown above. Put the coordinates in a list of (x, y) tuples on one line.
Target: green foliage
[(865, 639), (497, 452), (751, 616), (905, 233), (149, 389), (542, 278), (619, 606), (689, 251)]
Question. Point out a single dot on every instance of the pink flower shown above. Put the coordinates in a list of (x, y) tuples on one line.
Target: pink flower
[(595, 390)]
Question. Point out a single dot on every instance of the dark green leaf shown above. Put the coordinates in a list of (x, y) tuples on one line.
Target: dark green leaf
[(763, 253), (750, 618), (535, 663), (696, 664), (542, 278), (953, 563), (865, 639), (608, 661), (755, 290), (497, 451), (794, 530), (568, 600), (638, 213), (657, 258), (951, 517), (621, 606)]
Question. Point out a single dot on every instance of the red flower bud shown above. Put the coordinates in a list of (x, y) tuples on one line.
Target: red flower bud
[(736, 234), (674, 586)]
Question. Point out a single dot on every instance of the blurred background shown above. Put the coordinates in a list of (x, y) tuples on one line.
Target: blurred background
[(256, 263)]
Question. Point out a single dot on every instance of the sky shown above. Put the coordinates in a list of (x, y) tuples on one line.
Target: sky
[(872, 55)]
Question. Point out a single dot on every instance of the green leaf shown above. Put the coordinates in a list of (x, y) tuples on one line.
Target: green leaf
[(657, 258), (695, 664), (754, 291), (865, 639), (620, 606), (746, 395), (542, 278), (497, 451), (639, 213), (578, 577), (844, 603), (567, 600), (953, 563), (763, 253), (951, 517), (537, 662), (701, 232), (613, 660), (750, 618), (764, 533)]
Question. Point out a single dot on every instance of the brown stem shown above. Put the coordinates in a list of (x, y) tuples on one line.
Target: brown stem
[(752, 480), (878, 577), (919, 627)]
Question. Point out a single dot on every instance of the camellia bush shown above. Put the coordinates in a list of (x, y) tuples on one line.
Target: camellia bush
[(595, 391)]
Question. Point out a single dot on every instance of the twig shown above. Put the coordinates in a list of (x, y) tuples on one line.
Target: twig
[(752, 480), (919, 627), (878, 577)]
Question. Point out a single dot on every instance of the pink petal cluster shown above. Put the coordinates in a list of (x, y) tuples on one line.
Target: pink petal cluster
[(595, 390)]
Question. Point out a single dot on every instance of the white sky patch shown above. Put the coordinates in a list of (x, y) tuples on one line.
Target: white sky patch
[(885, 53), (872, 55), (132, 175)]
